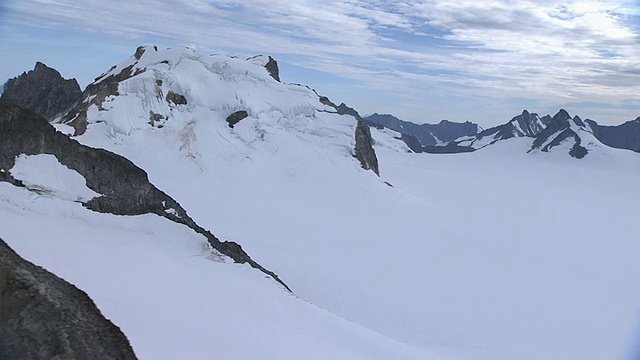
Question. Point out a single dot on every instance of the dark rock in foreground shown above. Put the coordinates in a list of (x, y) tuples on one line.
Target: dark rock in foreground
[(44, 317)]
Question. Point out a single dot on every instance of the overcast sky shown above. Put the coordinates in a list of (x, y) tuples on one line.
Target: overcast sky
[(422, 61)]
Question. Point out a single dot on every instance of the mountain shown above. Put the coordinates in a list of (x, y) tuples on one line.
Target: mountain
[(566, 131), (426, 134), (623, 136), (524, 125), (574, 134), (44, 91), (166, 97), (45, 317)]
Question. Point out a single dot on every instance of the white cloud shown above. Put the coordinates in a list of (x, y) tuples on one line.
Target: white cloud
[(574, 51)]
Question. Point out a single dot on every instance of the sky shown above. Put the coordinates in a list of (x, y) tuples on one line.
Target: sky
[(422, 61)]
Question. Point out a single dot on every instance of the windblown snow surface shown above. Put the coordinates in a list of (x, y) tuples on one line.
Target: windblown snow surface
[(495, 254)]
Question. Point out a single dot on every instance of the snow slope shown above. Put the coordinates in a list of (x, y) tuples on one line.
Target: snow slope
[(492, 253), (158, 282), (496, 254)]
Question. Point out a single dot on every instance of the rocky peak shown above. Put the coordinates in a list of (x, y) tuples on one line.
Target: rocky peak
[(561, 116), (578, 121), (272, 68), (558, 131), (44, 91), (527, 124)]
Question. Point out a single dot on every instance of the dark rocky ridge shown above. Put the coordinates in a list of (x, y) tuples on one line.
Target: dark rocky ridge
[(427, 134), (125, 188), (623, 136), (44, 91), (44, 317)]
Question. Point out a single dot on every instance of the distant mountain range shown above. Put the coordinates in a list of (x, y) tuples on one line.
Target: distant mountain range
[(547, 132), (426, 134)]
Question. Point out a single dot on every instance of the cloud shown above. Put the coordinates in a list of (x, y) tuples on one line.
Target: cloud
[(575, 50)]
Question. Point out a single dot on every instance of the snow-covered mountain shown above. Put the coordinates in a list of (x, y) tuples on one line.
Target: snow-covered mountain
[(426, 134), (494, 254), (523, 125), (575, 135)]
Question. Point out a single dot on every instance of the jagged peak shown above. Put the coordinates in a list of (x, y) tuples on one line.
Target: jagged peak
[(562, 115), (578, 121)]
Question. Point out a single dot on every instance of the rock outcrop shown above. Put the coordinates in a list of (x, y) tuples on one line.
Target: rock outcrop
[(272, 68), (44, 91), (235, 118), (364, 151), (44, 317), (270, 64), (125, 188)]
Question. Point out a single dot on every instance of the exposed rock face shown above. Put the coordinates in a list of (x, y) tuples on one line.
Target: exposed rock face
[(175, 98), (364, 148), (427, 134), (270, 64), (272, 68), (125, 188), (623, 136), (364, 151), (412, 142), (235, 118), (44, 91), (45, 317)]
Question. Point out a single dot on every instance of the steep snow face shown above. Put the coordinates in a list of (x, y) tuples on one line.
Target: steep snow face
[(158, 282)]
